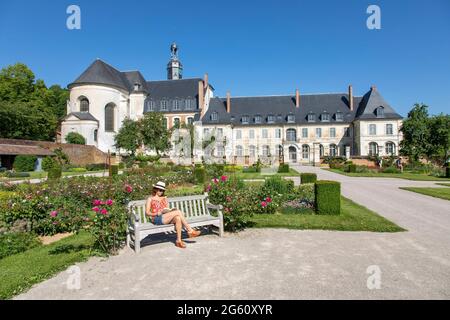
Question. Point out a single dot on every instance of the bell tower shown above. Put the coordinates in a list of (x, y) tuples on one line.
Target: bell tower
[(174, 67)]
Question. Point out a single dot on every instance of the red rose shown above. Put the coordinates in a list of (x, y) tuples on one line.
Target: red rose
[(264, 204)]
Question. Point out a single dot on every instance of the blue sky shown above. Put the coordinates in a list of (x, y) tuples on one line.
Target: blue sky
[(247, 47)]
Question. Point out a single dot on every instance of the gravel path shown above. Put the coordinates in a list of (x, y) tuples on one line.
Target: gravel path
[(287, 264)]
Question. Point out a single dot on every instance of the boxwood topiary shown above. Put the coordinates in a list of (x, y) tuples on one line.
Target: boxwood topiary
[(113, 170), (24, 163), (308, 178), (54, 173), (199, 174), (327, 197), (283, 168)]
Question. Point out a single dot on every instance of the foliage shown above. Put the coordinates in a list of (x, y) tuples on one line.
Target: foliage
[(28, 109), (95, 166), (305, 193), (60, 157), (24, 163), (75, 138), (113, 170), (308, 177), (214, 170), (425, 136), (129, 136), (54, 172), (48, 163), (78, 170), (12, 243), (327, 197), (108, 226), (155, 135), (350, 168), (283, 168), (391, 170), (11, 174), (200, 175)]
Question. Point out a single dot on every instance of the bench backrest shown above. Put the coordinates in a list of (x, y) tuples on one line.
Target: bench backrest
[(192, 206)]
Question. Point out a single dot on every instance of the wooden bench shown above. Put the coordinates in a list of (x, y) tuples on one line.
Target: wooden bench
[(195, 208)]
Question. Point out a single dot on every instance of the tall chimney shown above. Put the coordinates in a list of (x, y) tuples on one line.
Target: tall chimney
[(228, 102), (297, 98), (205, 81), (201, 95), (350, 97)]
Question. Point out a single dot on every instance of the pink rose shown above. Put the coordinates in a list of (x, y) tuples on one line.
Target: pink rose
[(109, 202), (215, 180), (54, 213), (128, 188), (227, 209), (223, 178), (104, 211), (55, 222), (264, 204), (228, 199), (268, 199), (96, 209), (208, 188), (96, 202)]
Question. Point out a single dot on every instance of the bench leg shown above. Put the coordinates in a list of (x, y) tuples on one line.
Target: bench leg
[(221, 228), (128, 239), (137, 242)]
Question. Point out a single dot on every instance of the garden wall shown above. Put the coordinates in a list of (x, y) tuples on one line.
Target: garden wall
[(78, 154)]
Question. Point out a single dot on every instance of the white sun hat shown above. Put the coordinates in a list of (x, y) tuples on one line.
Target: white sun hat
[(160, 185)]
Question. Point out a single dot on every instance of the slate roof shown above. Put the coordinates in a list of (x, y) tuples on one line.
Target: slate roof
[(370, 102), (282, 106), (81, 116)]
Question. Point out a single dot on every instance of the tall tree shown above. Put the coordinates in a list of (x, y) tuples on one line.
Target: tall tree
[(129, 136), (16, 83), (439, 147), (416, 133), (155, 135)]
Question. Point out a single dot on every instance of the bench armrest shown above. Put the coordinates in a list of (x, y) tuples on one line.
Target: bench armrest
[(133, 216), (214, 206)]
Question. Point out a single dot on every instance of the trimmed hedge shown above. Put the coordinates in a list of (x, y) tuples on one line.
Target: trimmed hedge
[(54, 173), (24, 163), (199, 175), (308, 178), (283, 168), (11, 174), (113, 170), (351, 168), (328, 197), (95, 166)]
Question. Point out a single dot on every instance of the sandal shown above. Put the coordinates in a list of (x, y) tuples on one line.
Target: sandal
[(194, 233), (180, 244)]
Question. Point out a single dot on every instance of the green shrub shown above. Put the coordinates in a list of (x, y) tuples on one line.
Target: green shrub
[(350, 167), (327, 197), (95, 166), (391, 170), (283, 168), (11, 174), (199, 175), (54, 173), (12, 243), (78, 170), (214, 170), (251, 169), (75, 138), (305, 192), (142, 164), (121, 165), (48, 163), (308, 177), (362, 169), (24, 163), (113, 170)]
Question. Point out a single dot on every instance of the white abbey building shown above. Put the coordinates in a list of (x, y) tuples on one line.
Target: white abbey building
[(299, 128)]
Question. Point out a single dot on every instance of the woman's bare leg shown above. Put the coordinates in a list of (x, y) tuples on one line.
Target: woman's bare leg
[(170, 216), (177, 222)]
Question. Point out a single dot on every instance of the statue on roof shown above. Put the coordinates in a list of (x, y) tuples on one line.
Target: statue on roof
[(174, 50)]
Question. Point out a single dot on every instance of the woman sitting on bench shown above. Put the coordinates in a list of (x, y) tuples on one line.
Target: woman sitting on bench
[(158, 209)]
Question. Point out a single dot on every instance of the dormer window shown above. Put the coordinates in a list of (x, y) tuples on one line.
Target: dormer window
[(232, 118), (271, 119), (163, 105), (245, 119), (339, 116), (380, 112), (176, 104), (311, 117), (257, 119), (151, 105), (291, 118), (280, 118), (187, 104), (325, 117), (214, 116)]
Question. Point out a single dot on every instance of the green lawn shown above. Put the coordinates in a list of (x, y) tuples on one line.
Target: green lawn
[(43, 174), (259, 175), (20, 271), (404, 175), (353, 217), (444, 184), (443, 193)]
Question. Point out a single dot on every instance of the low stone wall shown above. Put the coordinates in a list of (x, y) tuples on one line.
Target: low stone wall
[(78, 154), (364, 162)]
